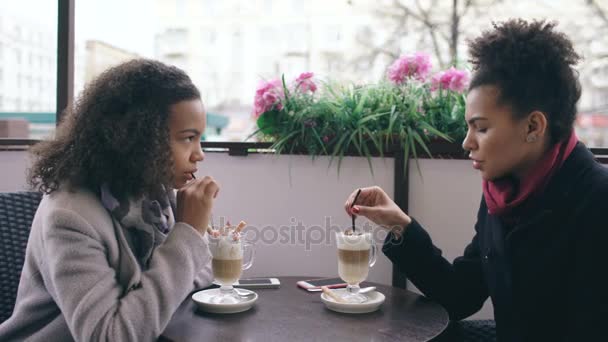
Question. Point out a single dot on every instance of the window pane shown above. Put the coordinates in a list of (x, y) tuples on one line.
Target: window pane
[(28, 68), (228, 46)]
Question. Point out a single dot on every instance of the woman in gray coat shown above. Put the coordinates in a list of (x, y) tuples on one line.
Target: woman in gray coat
[(114, 249)]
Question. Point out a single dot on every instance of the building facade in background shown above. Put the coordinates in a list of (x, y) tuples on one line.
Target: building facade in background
[(101, 55), (228, 46), (28, 65)]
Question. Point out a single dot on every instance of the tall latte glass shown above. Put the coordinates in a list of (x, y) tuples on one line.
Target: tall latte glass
[(230, 256), (356, 254)]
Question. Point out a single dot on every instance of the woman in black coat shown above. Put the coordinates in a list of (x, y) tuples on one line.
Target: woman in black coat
[(539, 251)]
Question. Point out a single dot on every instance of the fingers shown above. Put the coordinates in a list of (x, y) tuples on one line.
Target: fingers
[(203, 187), (366, 197), (364, 210), (187, 187), (210, 187), (349, 201)]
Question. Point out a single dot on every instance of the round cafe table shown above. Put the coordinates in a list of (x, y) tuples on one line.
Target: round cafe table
[(292, 314)]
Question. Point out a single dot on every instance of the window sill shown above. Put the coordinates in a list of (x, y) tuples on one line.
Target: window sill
[(439, 149)]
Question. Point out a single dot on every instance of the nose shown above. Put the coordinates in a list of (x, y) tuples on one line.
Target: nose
[(198, 155), (469, 142)]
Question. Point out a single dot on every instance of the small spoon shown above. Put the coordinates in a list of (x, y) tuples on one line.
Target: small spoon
[(363, 290), (244, 294), (367, 289)]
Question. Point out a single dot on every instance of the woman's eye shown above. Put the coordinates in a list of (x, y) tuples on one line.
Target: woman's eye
[(482, 130), (189, 139)]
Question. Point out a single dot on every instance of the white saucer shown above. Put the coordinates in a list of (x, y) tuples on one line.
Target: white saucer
[(203, 301), (372, 304)]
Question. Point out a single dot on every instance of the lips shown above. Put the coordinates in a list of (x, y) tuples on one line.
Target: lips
[(189, 175), (476, 163)]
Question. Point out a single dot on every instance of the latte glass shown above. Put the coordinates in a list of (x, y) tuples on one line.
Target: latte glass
[(356, 254), (230, 256)]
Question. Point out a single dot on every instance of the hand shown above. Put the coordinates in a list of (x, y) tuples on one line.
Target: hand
[(195, 201), (379, 208)]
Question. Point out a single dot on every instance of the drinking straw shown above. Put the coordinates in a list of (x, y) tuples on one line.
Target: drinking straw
[(352, 205)]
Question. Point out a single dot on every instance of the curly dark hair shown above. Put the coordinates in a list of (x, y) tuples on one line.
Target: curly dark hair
[(116, 133), (532, 65)]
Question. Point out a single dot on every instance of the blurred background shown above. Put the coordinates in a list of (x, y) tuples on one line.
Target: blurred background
[(228, 46)]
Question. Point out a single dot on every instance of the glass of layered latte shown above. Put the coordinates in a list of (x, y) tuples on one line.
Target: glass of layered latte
[(230, 256), (356, 254)]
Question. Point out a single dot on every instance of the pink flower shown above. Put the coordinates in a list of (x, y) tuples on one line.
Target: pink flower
[(304, 82), (415, 66), (452, 79), (268, 95)]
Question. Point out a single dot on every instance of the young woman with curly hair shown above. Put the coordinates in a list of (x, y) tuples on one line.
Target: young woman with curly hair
[(113, 250), (541, 234)]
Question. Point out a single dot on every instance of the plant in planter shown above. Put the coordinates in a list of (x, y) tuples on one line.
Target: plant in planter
[(403, 112)]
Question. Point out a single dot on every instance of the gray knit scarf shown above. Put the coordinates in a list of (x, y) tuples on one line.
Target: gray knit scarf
[(145, 221)]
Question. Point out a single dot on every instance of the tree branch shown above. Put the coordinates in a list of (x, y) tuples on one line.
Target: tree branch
[(467, 5), (436, 48), (408, 11), (598, 10)]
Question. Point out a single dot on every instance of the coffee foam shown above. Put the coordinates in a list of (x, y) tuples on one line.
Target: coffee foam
[(225, 248), (354, 242)]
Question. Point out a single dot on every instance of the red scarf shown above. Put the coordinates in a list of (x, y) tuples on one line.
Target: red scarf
[(504, 195)]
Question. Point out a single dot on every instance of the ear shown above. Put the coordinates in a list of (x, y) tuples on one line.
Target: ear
[(536, 126)]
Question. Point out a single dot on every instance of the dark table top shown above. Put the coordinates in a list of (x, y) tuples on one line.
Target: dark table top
[(292, 314)]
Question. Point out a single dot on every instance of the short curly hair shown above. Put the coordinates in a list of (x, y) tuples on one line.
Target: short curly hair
[(117, 133), (532, 65)]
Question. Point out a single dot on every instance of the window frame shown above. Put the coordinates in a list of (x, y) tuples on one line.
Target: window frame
[(65, 97)]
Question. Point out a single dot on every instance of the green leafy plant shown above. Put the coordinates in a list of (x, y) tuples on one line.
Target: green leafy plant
[(404, 113)]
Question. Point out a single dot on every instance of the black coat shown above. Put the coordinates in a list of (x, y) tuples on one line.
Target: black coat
[(547, 275)]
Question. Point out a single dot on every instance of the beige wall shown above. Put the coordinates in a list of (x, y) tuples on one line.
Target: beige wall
[(266, 190), (270, 192), (13, 165)]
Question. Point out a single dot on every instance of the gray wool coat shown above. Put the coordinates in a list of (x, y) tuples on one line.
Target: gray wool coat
[(81, 280)]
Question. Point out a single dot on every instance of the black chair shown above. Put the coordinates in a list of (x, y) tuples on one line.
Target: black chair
[(17, 211), (469, 331), (478, 330)]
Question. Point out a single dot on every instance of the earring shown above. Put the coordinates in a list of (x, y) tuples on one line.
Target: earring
[(531, 138)]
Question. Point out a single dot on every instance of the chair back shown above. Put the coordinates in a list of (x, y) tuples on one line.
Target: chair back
[(17, 211), (480, 330)]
